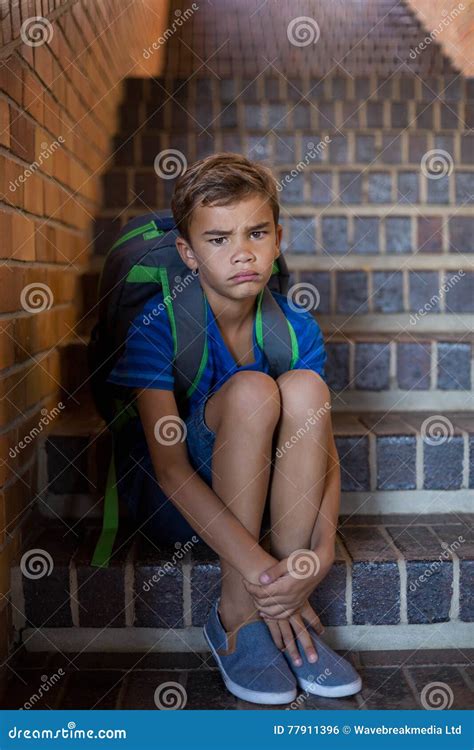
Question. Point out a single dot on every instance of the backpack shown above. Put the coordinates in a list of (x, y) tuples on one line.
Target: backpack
[(143, 261)]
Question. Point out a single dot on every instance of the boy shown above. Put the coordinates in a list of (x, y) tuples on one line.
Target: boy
[(222, 475)]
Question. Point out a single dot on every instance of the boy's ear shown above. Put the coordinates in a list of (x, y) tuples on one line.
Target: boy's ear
[(186, 252), (279, 233)]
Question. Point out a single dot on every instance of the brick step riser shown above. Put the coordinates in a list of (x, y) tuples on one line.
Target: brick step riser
[(403, 462), (439, 370)]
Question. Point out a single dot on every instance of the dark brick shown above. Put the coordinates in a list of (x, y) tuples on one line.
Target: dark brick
[(384, 87), (417, 147), (205, 690), (379, 185), (337, 368), (302, 233), (429, 574), (429, 234), (438, 189), (445, 143), (249, 91), (387, 687), (467, 148), (322, 282), (460, 295), (278, 118), (391, 152), (329, 598), (354, 459), (180, 118), (228, 116), (466, 597), (326, 116), (452, 88), (449, 116), (145, 189), (293, 187), (398, 234), (205, 582), (462, 696), (162, 605), (374, 114), (139, 692), (351, 292), (123, 150), (407, 188), (253, 116), (461, 234), (366, 234), (365, 148), (115, 189), (205, 146), (302, 116), (375, 593), (309, 145), (232, 142), (338, 149), (454, 366), (424, 116), (258, 147), (334, 234), (362, 87), (407, 87), (465, 187), (399, 115), (285, 149), (443, 464), (350, 114), (414, 366), (321, 187), (67, 464), (396, 462), (23, 688), (339, 87), (350, 187), (272, 88), (105, 233), (372, 366), (387, 291), (423, 286)]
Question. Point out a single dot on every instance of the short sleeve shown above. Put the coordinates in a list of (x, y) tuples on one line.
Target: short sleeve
[(147, 361), (311, 350)]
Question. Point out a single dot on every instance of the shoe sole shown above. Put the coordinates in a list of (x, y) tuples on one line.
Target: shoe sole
[(338, 691), (252, 696)]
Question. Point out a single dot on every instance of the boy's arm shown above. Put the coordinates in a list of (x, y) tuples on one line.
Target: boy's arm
[(192, 496), (323, 537)]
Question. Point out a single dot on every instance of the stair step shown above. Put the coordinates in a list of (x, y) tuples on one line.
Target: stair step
[(403, 573), (365, 370), (403, 462)]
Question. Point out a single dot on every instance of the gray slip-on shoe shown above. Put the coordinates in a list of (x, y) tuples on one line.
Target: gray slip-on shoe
[(252, 666), (331, 676)]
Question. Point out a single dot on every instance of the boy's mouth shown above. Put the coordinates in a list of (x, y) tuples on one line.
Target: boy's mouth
[(245, 276)]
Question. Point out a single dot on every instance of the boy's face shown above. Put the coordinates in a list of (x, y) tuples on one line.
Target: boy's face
[(228, 240)]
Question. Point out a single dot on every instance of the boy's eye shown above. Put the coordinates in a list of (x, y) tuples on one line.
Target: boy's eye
[(259, 231), (217, 240)]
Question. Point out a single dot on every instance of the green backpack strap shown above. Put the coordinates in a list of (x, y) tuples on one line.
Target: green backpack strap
[(110, 520)]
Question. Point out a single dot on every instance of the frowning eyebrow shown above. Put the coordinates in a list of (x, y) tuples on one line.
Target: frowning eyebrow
[(225, 233)]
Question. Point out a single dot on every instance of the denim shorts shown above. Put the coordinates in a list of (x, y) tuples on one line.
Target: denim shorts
[(149, 509)]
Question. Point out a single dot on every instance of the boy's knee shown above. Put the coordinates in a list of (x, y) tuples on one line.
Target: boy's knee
[(253, 393), (301, 389)]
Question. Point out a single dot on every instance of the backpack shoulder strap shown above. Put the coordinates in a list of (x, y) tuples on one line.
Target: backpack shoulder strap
[(275, 334)]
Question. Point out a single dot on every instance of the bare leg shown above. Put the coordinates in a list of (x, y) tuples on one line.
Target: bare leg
[(298, 479), (243, 414)]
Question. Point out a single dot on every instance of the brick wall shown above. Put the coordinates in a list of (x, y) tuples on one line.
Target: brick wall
[(452, 24), (60, 86)]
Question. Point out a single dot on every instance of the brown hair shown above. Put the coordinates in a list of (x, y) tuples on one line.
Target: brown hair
[(220, 179)]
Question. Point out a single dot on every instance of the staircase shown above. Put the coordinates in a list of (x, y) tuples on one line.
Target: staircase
[(377, 235)]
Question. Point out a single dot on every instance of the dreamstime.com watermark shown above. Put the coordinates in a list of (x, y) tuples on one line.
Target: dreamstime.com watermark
[(435, 298), (180, 284), (46, 151), (47, 417), (432, 36), (319, 680), (169, 565), (436, 564), (181, 17), (313, 151), (301, 431), (46, 684)]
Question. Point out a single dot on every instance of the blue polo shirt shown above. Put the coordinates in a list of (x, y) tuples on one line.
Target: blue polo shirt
[(147, 361)]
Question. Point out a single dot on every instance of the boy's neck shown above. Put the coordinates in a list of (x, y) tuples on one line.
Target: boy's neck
[(231, 314)]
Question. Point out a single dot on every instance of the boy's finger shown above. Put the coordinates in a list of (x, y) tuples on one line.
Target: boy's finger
[(275, 632), (290, 644), (304, 638)]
